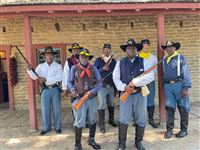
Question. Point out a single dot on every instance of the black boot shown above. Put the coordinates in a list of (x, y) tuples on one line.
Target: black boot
[(111, 121), (151, 114), (170, 122), (78, 135), (139, 133), (102, 120), (91, 140), (184, 122), (122, 136)]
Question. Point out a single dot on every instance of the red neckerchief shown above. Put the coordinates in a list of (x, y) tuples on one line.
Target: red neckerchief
[(85, 70), (73, 60)]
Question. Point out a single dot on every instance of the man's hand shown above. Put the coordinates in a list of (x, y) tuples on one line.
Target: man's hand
[(131, 84), (89, 94), (64, 93), (184, 93), (74, 94), (29, 67), (42, 80), (106, 68), (129, 89)]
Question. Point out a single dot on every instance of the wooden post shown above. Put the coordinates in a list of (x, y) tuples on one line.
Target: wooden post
[(31, 89), (160, 54)]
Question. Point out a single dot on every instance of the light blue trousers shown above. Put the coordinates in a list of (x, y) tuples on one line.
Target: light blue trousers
[(87, 111), (106, 97), (51, 98), (173, 96), (134, 108)]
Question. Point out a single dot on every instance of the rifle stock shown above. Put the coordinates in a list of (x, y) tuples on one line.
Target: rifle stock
[(78, 105)]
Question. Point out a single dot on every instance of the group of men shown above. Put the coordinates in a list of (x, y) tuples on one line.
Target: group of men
[(100, 81)]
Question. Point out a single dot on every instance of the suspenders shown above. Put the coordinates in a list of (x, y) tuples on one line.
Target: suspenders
[(178, 66)]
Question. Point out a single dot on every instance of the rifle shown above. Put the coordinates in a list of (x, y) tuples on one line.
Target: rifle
[(43, 84), (78, 105), (144, 89), (26, 60)]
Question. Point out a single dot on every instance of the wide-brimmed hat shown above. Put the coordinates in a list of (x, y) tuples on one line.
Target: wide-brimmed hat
[(48, 49), (177, 45), (145, 41), (86, 52), (131, 42), (74, 45)]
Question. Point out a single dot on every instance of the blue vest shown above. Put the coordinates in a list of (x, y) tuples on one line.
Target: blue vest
[(100, 64), (129, 70)]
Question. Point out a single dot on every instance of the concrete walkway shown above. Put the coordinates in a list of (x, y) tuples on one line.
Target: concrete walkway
[(15, 134)]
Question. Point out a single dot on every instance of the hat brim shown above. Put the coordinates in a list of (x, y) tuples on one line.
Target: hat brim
[(90, 57), (70, 49), (139, 46), (177, 45), (43, 53)]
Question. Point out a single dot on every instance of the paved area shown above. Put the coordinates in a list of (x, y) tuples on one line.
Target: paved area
[(15, 134)]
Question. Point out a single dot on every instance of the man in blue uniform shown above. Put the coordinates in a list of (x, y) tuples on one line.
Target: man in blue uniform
[(84, 79), (105, 65), (177, 81), (125, 77)]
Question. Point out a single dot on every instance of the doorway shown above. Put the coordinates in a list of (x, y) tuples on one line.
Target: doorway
[(4, 94)]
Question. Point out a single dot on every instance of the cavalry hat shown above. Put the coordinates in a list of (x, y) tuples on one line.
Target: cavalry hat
[(74, 45), (177, 45), (49, 49), (86, 52), (131, 42)]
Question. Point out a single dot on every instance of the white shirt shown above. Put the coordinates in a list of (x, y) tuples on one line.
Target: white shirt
[(138, 82), (152, 60), (65, 76), (52, 73)]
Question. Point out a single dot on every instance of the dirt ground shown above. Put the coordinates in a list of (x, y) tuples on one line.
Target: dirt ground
[(19, 136)]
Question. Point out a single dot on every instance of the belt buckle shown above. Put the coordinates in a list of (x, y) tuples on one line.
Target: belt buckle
[(50, 87), (172, 82)]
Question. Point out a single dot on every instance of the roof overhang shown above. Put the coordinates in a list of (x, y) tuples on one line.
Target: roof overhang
[(100, 9)]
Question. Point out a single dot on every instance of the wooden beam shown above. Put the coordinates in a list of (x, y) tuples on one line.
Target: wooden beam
[(31, 89), (96, 7), (99, 13), (160, 54)]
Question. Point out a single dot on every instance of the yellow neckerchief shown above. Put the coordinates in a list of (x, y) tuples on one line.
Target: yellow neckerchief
[(145, 55), (170, 57)]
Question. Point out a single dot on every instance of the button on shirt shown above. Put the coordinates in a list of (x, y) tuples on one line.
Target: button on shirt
[(52, 73), (138, 82)]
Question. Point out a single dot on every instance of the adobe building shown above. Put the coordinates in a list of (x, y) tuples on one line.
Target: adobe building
[(32, 25)]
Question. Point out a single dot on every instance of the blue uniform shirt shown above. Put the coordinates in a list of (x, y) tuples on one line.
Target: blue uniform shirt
[(170, 71)]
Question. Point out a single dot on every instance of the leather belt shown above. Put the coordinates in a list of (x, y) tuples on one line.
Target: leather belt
[(173, 81)]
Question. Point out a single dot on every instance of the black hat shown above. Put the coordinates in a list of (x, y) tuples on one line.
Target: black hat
[(48, 49), (74, 45), (145, 41), (86, 52), (177, 45), (131, 42), (107, 45)]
